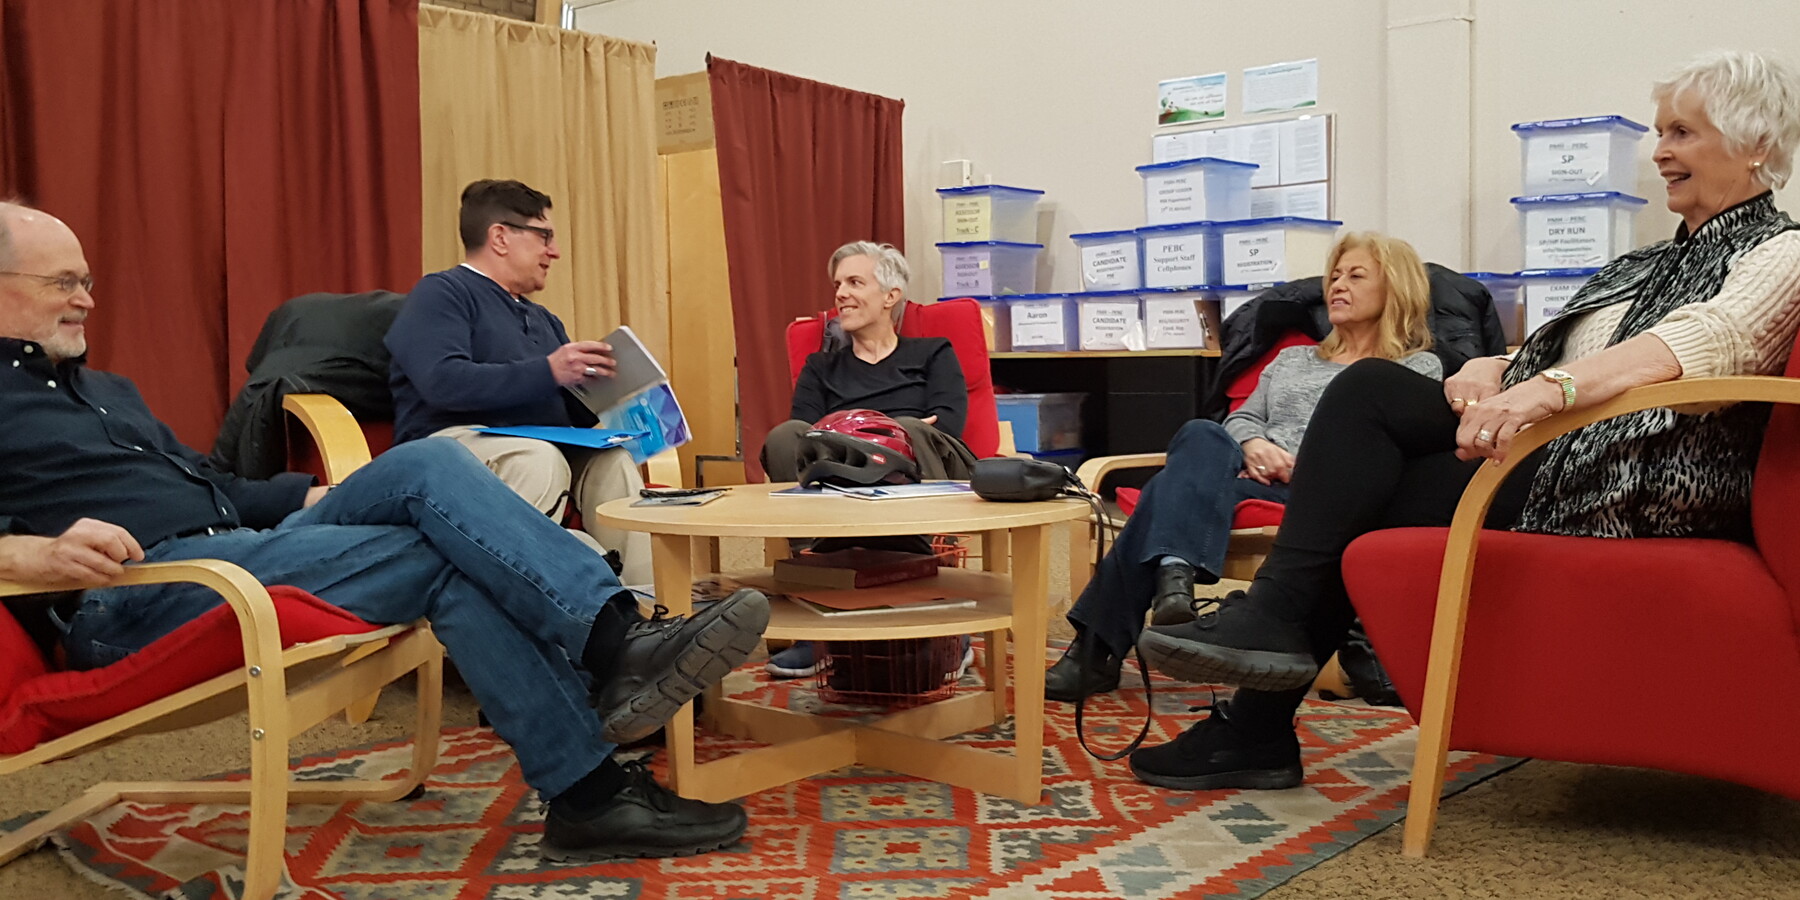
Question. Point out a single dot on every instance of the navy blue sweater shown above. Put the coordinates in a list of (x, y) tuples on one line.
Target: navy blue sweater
[(466, 352)]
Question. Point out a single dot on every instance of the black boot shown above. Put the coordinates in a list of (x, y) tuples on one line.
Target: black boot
[(1077, 674), (1174, 603), (641, 819), (1238, 642), (664, 662), (1215, 753)]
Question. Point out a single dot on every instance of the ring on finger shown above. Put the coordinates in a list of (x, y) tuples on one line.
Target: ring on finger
[(1456, 400), (590, 371), (1485, 436), (1262, 468), (1470, 403)]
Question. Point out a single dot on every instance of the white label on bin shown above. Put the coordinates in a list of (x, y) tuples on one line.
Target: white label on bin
[(1173, 322), (1545, 301), (1175, 197), (1105, 325), (966, 274), (1175, 261), (1576, 160), (1254, 256), (1110, 265), (1038, 325), (969, 218), (1567, 237)]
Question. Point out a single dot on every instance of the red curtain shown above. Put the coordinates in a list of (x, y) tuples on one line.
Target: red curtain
[(216, 157), (804, 168)]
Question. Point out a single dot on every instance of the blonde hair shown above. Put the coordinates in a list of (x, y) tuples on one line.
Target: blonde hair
[(1406, 314)]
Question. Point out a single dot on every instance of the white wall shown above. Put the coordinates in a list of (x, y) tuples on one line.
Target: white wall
[(1060, 96), (1544, 59)]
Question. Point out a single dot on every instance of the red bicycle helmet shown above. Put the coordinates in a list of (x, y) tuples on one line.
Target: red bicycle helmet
[(857, 448)]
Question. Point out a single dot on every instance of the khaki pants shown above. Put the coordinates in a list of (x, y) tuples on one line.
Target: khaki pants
[(549, 475)]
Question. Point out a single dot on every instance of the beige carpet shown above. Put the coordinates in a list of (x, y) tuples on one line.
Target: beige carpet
[(1542, 830)]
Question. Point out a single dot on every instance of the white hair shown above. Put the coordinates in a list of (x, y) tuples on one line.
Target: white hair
[(1754, 101), (891, 270)]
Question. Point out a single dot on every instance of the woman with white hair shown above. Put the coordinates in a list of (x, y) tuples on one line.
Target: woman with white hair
[(916, 381), (1388, 447)]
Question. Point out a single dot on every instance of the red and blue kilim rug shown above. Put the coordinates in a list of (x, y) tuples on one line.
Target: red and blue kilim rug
[(850, 834)]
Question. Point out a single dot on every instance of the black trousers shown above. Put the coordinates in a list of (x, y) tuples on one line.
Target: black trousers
[(1378, 453)]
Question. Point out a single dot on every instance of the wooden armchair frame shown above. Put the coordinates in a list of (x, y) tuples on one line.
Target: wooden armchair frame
[(1438, 707), (1243, 556), (285, 692)]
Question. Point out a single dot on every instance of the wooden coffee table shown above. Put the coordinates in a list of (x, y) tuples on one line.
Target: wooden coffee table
[(1011, 597)]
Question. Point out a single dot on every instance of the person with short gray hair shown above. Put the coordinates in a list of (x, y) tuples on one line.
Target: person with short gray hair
[(915, 380)]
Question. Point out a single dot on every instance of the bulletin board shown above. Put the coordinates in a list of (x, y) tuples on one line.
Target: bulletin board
[(1295, 160)]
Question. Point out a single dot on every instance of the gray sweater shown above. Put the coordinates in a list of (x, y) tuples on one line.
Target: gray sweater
[(1290, 386)]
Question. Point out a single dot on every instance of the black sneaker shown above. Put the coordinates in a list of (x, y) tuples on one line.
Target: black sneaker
[(642, 819), (1234, 642), (1075, 676), (1174, 603), (1213, 755), (667, 661)]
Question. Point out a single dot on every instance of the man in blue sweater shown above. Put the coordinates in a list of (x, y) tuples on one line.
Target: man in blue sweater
[(470, 350)]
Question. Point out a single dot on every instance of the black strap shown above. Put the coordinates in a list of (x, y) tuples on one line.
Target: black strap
[(1149, 710)]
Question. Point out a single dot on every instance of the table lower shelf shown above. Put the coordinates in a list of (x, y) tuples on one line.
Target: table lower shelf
[(992, 593)]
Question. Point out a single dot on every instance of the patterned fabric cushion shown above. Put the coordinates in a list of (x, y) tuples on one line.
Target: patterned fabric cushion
[(37, 704)]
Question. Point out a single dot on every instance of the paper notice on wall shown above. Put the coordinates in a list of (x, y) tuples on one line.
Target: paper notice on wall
[(1260, 144), (1195, 99), (1289, 85), (1303, 150), (1308, 201)]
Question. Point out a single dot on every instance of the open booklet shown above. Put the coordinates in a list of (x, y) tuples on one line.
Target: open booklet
[(636, 399)]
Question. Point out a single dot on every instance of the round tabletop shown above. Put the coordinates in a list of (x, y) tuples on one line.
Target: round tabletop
[(747, 510)]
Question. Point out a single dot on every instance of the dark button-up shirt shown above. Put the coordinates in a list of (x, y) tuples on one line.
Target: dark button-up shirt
[(80, 443), (466, 352)]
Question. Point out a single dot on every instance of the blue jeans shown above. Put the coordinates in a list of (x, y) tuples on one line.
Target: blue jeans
[(1185, 511), (423, 531)]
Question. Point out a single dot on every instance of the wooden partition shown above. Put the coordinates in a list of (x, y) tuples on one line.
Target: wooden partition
[(702, 356)]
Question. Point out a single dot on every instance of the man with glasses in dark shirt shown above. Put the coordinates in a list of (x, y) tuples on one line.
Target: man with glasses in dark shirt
[(470, 349), (93, 481)]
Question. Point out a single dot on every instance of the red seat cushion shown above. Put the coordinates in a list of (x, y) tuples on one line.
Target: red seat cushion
[(37, 704), (1676, 654), (1247, 514), (303, 454)]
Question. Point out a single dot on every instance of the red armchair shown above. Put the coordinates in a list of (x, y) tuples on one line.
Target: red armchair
[(1530, 650)]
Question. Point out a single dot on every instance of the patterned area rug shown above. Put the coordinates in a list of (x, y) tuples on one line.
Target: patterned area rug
[(849, 834)]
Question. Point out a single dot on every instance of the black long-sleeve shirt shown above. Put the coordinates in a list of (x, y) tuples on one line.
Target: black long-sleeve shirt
[(81, 443), (466, 352), (920, 378)]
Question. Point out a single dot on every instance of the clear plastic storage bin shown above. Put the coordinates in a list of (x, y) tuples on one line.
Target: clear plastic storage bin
[(989, 268), (1234, 296), (1576, 231), (1191, 190), (1042, 321), (1545, 292), (1281, 248), (996, 327), (1042, 423), (1180, 254), (990, 212), (1504, 287), (1181, 318), (1109, 260), (1565, 156), (1110, 320)]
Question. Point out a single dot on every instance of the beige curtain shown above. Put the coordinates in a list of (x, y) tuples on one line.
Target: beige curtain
[(571, 114)]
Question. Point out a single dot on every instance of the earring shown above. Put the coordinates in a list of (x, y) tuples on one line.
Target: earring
[(1756, 164)]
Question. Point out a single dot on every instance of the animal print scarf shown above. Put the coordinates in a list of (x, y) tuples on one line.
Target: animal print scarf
[(1656, 473)]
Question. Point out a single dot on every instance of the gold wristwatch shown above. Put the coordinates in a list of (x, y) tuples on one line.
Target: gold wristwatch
[(1565, 381)]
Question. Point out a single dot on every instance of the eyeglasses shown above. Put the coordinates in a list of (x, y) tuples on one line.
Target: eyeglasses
[(548, 234), (67, 282)]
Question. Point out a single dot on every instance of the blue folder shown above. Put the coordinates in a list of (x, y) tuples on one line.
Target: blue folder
[(593, 438)]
